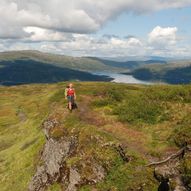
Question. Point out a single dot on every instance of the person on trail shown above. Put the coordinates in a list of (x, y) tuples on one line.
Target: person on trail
[(70, 95)]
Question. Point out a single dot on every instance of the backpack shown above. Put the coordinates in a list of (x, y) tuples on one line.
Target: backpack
[(74, 106)]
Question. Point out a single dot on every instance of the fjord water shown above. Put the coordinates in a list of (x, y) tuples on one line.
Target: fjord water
[(123, 78)]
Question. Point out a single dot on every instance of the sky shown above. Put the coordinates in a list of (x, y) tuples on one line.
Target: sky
[(102, 28)]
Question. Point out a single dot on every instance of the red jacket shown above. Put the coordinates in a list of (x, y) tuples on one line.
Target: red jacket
[(70, 92)]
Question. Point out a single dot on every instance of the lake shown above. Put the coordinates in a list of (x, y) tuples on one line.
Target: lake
[(122, 78)]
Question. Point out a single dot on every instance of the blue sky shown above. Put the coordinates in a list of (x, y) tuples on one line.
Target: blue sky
[(141, 25), (97, 28)]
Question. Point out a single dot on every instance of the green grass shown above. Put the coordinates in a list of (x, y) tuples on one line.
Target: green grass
[(138, 109), (161, 112), (21, 140), (132, 106), (148, 120)]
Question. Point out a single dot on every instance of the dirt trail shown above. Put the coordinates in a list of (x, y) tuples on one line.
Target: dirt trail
[(57, 150), (131, 138)]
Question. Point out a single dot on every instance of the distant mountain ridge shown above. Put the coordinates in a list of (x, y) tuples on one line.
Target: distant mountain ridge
[(29, 71), (172, 73), (76, 63), (128, 64), (29, 66)]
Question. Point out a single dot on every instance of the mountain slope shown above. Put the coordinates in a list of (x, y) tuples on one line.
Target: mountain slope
[(128, 64), (114, 136), (76, 63), (172, 73), (29, 71)]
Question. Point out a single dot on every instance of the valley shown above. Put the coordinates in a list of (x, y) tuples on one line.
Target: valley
[(26, 67)]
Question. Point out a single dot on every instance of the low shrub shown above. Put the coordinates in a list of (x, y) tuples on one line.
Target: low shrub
[(182, 132), (109, 97), (139, 109), (169, 93)]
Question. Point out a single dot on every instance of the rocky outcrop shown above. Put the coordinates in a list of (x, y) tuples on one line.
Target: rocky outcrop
[(53, 166), (170, 171), (170, 177)]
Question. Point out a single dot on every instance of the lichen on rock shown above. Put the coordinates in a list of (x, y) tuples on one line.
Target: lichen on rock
[(53, 167)]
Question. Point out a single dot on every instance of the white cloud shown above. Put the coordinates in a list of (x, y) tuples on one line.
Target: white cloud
[(2, 47), (86, 45), (163, 36), (78, 16), (40, 34), (160, 42), (66, 27)]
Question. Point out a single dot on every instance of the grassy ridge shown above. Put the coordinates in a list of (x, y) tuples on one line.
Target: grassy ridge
[(151, 121), (150, 105), (76, 63)]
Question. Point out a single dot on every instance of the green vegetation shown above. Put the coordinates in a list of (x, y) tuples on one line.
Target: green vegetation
[(172, 73), (132, 106), (25, 71), (181, 133), (139, 109), (129, 64), (149, 121), (160, 111), (22, 111), (26, 67), (76, 63)]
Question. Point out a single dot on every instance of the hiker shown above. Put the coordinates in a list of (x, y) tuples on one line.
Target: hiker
[(70, 95)]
